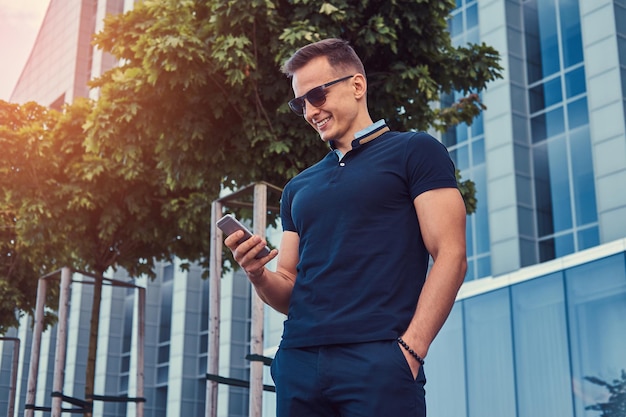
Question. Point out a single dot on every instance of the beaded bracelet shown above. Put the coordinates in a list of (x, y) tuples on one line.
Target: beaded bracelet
[(411, 351)]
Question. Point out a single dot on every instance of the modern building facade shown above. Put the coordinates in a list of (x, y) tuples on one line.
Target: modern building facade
[(543, 309)]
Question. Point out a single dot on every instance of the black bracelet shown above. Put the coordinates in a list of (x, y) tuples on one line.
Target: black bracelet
[(411, 351)]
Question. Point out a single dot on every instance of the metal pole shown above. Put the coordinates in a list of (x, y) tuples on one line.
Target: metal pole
[(141, 318), (215, 274), (61, 344), (256, 331), (36, 347)]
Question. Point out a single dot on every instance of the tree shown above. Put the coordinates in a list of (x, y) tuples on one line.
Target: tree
[(90, 211), (616, 404), (201, 81)]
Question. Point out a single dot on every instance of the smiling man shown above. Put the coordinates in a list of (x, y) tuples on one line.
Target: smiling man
[(352, 273)]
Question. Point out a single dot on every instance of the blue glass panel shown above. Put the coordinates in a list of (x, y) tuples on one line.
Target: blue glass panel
[(546, 250), (570, 32), (468, 235), (559, 184), (543, 193), (564, 245), (483, 266), (481, 215), (446, 386), (460, 156), (575, 83), (533, 45), (470, 274), (548, 37), (545, 95), (489, 355), (547, 124), (588, 238), (478, 152), (540, 333), (459, 3), (555, 122), (596, 294), (583, 177), (577, 114), (455, 24), (471, 16), (461, 133), (538, 128), (477, 125)]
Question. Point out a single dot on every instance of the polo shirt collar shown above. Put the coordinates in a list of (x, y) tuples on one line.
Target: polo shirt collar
[(366, 135)]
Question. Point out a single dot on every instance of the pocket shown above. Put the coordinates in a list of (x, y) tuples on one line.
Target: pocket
[(401, 360)]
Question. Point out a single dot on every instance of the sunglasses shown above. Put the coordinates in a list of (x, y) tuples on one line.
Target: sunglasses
[(316, 96)]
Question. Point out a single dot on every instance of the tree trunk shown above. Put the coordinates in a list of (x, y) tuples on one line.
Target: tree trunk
[(93, 342)]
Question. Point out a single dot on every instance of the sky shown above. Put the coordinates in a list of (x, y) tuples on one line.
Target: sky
[(20, 21)]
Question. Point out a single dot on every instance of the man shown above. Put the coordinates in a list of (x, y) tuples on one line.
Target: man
[(351, 271)]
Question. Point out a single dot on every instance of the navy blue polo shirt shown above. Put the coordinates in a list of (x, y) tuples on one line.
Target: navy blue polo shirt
[(362, 260)]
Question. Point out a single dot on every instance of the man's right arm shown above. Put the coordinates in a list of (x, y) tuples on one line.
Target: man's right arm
[(273, 287)]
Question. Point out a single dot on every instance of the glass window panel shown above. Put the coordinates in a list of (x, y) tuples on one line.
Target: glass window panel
[(164, 353), (468, 236), (559, 184), (166, 312), (564, 245), (471, 16), (548, 37), (533, 46), (540, 333), (588, 238), (455, 24), (446, 392), (538, 128), (543, 190), (596, 295), (555, 122), (577, 114), (162, 374), (483, 266), (583, 177), (470, 275), (461, 133), (575, 82), (459, 3), (481, 216), (460, 156), (489, 355), (536, 99), (477, 125), (478, 152), (546, 250), (570, 32)]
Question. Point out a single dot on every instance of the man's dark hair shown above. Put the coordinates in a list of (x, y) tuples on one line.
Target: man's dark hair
[(339, 53)]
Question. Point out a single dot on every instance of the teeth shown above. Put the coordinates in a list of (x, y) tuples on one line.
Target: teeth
[(323, 122)]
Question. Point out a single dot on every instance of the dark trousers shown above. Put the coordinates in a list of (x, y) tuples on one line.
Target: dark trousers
[(354, 380)]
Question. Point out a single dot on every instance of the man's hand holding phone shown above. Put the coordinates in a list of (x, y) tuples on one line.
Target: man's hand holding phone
[(250, 251)]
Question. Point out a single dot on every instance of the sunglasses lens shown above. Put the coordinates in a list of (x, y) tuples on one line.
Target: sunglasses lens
[(297, 106), (316, 96)]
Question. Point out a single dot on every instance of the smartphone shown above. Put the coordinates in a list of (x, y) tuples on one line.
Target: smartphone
[(230, 225)]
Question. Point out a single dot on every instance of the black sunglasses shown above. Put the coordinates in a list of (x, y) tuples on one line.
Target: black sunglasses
[(316, 96)]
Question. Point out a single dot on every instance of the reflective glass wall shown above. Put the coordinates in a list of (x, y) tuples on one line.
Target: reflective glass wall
[(466, 145), (565, 194), (533, 348)]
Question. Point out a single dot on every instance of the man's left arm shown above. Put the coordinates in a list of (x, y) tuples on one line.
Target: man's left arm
[(441, 215)]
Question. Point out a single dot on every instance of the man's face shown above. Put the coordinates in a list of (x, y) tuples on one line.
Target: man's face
[(333, 119)]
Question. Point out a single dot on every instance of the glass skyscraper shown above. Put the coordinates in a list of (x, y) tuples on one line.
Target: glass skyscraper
[(543, 308)]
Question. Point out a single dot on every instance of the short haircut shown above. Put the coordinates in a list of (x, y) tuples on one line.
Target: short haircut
[(339, 53)]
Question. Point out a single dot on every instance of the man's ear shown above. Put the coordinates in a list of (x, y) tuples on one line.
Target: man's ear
[(360, 85)]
